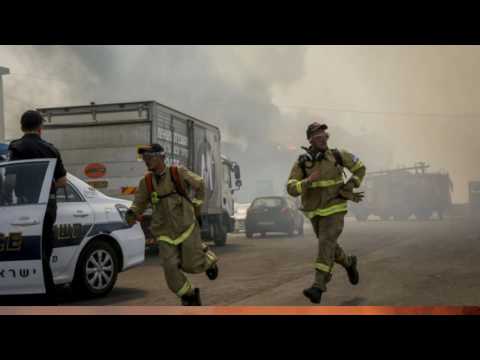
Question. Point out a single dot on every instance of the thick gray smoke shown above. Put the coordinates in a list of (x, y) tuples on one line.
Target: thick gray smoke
[(228, 86), (205, 81), (390, 105)]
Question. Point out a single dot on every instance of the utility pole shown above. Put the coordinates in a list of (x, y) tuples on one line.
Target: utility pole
[(3, 71)]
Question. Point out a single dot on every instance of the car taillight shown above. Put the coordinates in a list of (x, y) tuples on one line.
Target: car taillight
[(284, 211)]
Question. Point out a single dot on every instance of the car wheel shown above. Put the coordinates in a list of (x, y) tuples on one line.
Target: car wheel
[(423, 215), (97, 270), (300, 229), (249, 235), (291, 230), (440, 214), (220, 237)]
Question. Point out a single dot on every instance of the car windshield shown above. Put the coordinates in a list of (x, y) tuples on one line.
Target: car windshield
[(267, 202)]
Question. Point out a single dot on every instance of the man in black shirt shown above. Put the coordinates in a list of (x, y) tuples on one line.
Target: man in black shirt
[(31, 146)]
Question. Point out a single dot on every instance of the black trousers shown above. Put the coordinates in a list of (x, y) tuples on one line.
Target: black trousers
[(48, 238)]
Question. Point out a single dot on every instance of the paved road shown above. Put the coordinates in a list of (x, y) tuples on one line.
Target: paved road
[(401, 263)]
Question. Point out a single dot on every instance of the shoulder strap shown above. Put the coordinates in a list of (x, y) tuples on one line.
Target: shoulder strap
[(339, 160), (149, 182), (301, 162), (338, 157), (304, 170), (178, 183)]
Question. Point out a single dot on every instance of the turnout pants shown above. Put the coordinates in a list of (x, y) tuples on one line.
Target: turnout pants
[(328, 229), (191, 256)]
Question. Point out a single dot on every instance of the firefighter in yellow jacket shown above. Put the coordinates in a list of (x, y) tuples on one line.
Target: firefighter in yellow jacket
[(317, 176), (174, 222)]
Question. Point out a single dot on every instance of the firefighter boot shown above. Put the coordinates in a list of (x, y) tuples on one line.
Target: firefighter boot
[(212, 272), (314, 294), (352, 271), (192, 299)]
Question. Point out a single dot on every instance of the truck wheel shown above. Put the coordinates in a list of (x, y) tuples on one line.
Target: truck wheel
[(152, 250), (97, 270), (220, 235)]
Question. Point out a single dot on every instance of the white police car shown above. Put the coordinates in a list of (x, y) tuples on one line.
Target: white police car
[(93, 241)]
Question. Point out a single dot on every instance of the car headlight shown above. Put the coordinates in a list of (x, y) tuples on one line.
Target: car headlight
[(122, 210)]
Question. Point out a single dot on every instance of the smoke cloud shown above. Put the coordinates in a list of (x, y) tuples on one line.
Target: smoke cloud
[(417, 102), (390, 105)]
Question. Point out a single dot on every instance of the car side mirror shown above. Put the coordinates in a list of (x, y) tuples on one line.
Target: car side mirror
[(236, 171)]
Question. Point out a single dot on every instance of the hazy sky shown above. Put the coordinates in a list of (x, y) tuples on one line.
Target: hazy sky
[(423, 100), (390, 105)]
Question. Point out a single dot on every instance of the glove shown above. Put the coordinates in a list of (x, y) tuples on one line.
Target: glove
[(352, 196), (130, 217), (197, 208), (358, 196), (349, 186)]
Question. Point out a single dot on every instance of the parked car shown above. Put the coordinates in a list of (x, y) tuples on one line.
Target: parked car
[(240, 215), (93, 241), (273, 214)]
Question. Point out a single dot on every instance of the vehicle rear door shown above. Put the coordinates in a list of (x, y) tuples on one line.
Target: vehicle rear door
[(75, 218), (24, 192)]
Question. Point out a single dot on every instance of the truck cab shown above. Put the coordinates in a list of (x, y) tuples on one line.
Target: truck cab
[(231, 182)]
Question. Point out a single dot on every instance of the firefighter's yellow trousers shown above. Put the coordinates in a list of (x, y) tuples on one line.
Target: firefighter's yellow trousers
[(190, 256), (328, 230)]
